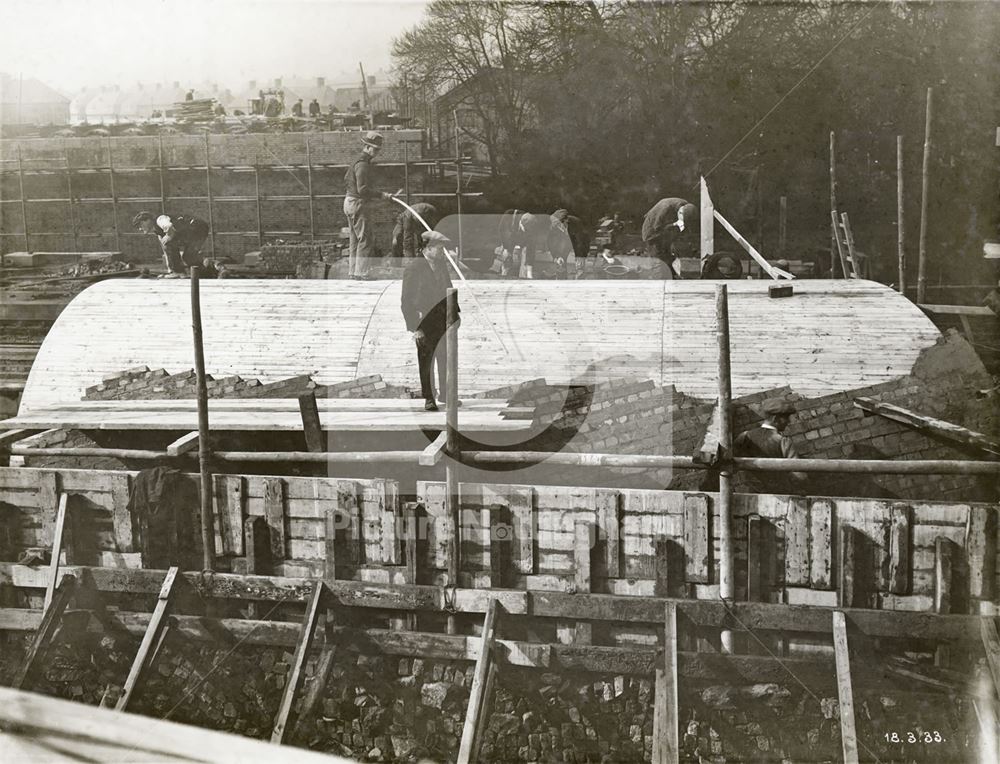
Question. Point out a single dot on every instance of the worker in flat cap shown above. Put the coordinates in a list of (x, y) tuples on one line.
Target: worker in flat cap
[(426, 282), (566, 236), (666, 221), (407, 233), (360, 192), (768, 441)]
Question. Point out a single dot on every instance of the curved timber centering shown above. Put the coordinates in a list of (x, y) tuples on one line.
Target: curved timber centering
[(830, 336)]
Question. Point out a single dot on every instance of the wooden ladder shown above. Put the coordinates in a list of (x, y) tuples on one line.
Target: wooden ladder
[(849, 257)]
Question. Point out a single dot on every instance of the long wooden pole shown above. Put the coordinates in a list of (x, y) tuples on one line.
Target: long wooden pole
[(900, 230), (727, 589), (782, 225), (833, 205), (204, 448), (208, 190), (114, 195), (924, 179), (454, 511)]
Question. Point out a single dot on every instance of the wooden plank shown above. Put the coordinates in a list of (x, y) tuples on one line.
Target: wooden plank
[(433, 453), (48, 500), (184, 444), (937, 427), (154, 631), (697, 538), (468, 752), (389, 501), (754, 583), (121, 517), (845, 690), (606, 504), (229, 513), (298, 664), (57, 546), (773, 271), (959, 310), (981, 547), (663, 566), (314, 690), (499, 534), (797, 546), (274, 514), (991, 644), (849, 564), (10, 437), (821, 538), (583, 549), (899, 549), (943, 573), (330, 545), (46, 631), (666, 711), (310, 422)]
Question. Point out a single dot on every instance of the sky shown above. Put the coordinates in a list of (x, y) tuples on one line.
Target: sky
[(69, 44)]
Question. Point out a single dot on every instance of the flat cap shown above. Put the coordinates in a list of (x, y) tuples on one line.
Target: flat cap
[(776, 406), (434, 237)]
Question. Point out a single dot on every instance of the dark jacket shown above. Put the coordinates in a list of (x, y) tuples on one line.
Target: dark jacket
[(658, 221), (406, 241), (574, 240), (764, 443), (423, 297), (358, 178)]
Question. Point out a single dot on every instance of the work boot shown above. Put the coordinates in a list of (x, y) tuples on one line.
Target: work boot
[(430, 405)]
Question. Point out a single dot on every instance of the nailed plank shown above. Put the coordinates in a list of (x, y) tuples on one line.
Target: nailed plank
[(274, 515), (899, 549), (46, 631), (183, 444), (310, 422), (57, 546), (797, 568), (314, 690), (295, 673), (500, 545), (229, 512), (943, 573), (330, 545), (663, 566), (845, 690), (755, 582), (981, 547), (121, 517), (608, 522), (849, 567), (821, 544), (583, 549), (10, 437), (697, 538), (468, 752), (154, 631), (257, 545), (433, 453), (48, 499)]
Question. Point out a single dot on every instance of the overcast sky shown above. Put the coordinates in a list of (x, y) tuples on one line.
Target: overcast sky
[(74, 43)]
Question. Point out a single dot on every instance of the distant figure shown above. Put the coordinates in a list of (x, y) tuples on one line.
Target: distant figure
[(664, 223), (359, 192), (526, 232), (189, 96), (407, 235), (426, 282), (314, 110), (567, 235), (220, 110), (297, 109), (181, 239)]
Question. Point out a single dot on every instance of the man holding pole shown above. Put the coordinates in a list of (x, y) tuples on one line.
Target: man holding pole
[(358, 180), (425, 289)]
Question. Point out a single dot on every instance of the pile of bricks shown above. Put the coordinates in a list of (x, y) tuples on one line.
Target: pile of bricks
[(299, 257), (142, 383)]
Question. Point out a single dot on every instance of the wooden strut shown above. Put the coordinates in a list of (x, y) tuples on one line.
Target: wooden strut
[(152, 640), (453, 510), (476, 715), (46, 631), (845, 690), (666, 711), (952, 432), (771, 270), (57, 547), (204, 450), (310, 422), (295, 674), (727, 584)]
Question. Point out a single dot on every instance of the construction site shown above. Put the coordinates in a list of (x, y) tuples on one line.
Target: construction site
[(680, 487)]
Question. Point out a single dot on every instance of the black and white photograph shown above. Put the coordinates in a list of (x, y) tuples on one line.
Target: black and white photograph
[(457, 381)]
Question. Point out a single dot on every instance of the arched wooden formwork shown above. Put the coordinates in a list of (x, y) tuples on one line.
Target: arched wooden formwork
[(830, 336)]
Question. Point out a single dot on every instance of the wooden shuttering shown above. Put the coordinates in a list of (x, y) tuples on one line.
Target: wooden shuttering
[(830, 336), (799, 550), (268, 415)]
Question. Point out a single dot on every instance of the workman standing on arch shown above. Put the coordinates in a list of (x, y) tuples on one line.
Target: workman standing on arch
[(360, 192)]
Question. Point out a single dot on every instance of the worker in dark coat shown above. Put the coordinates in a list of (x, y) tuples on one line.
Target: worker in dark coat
[(314, 108), (425, 288), (527, 233), (360, 192), (406, 236), (181, 239), (768, 441), (664, 223), (297, 110), (567, 235)]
